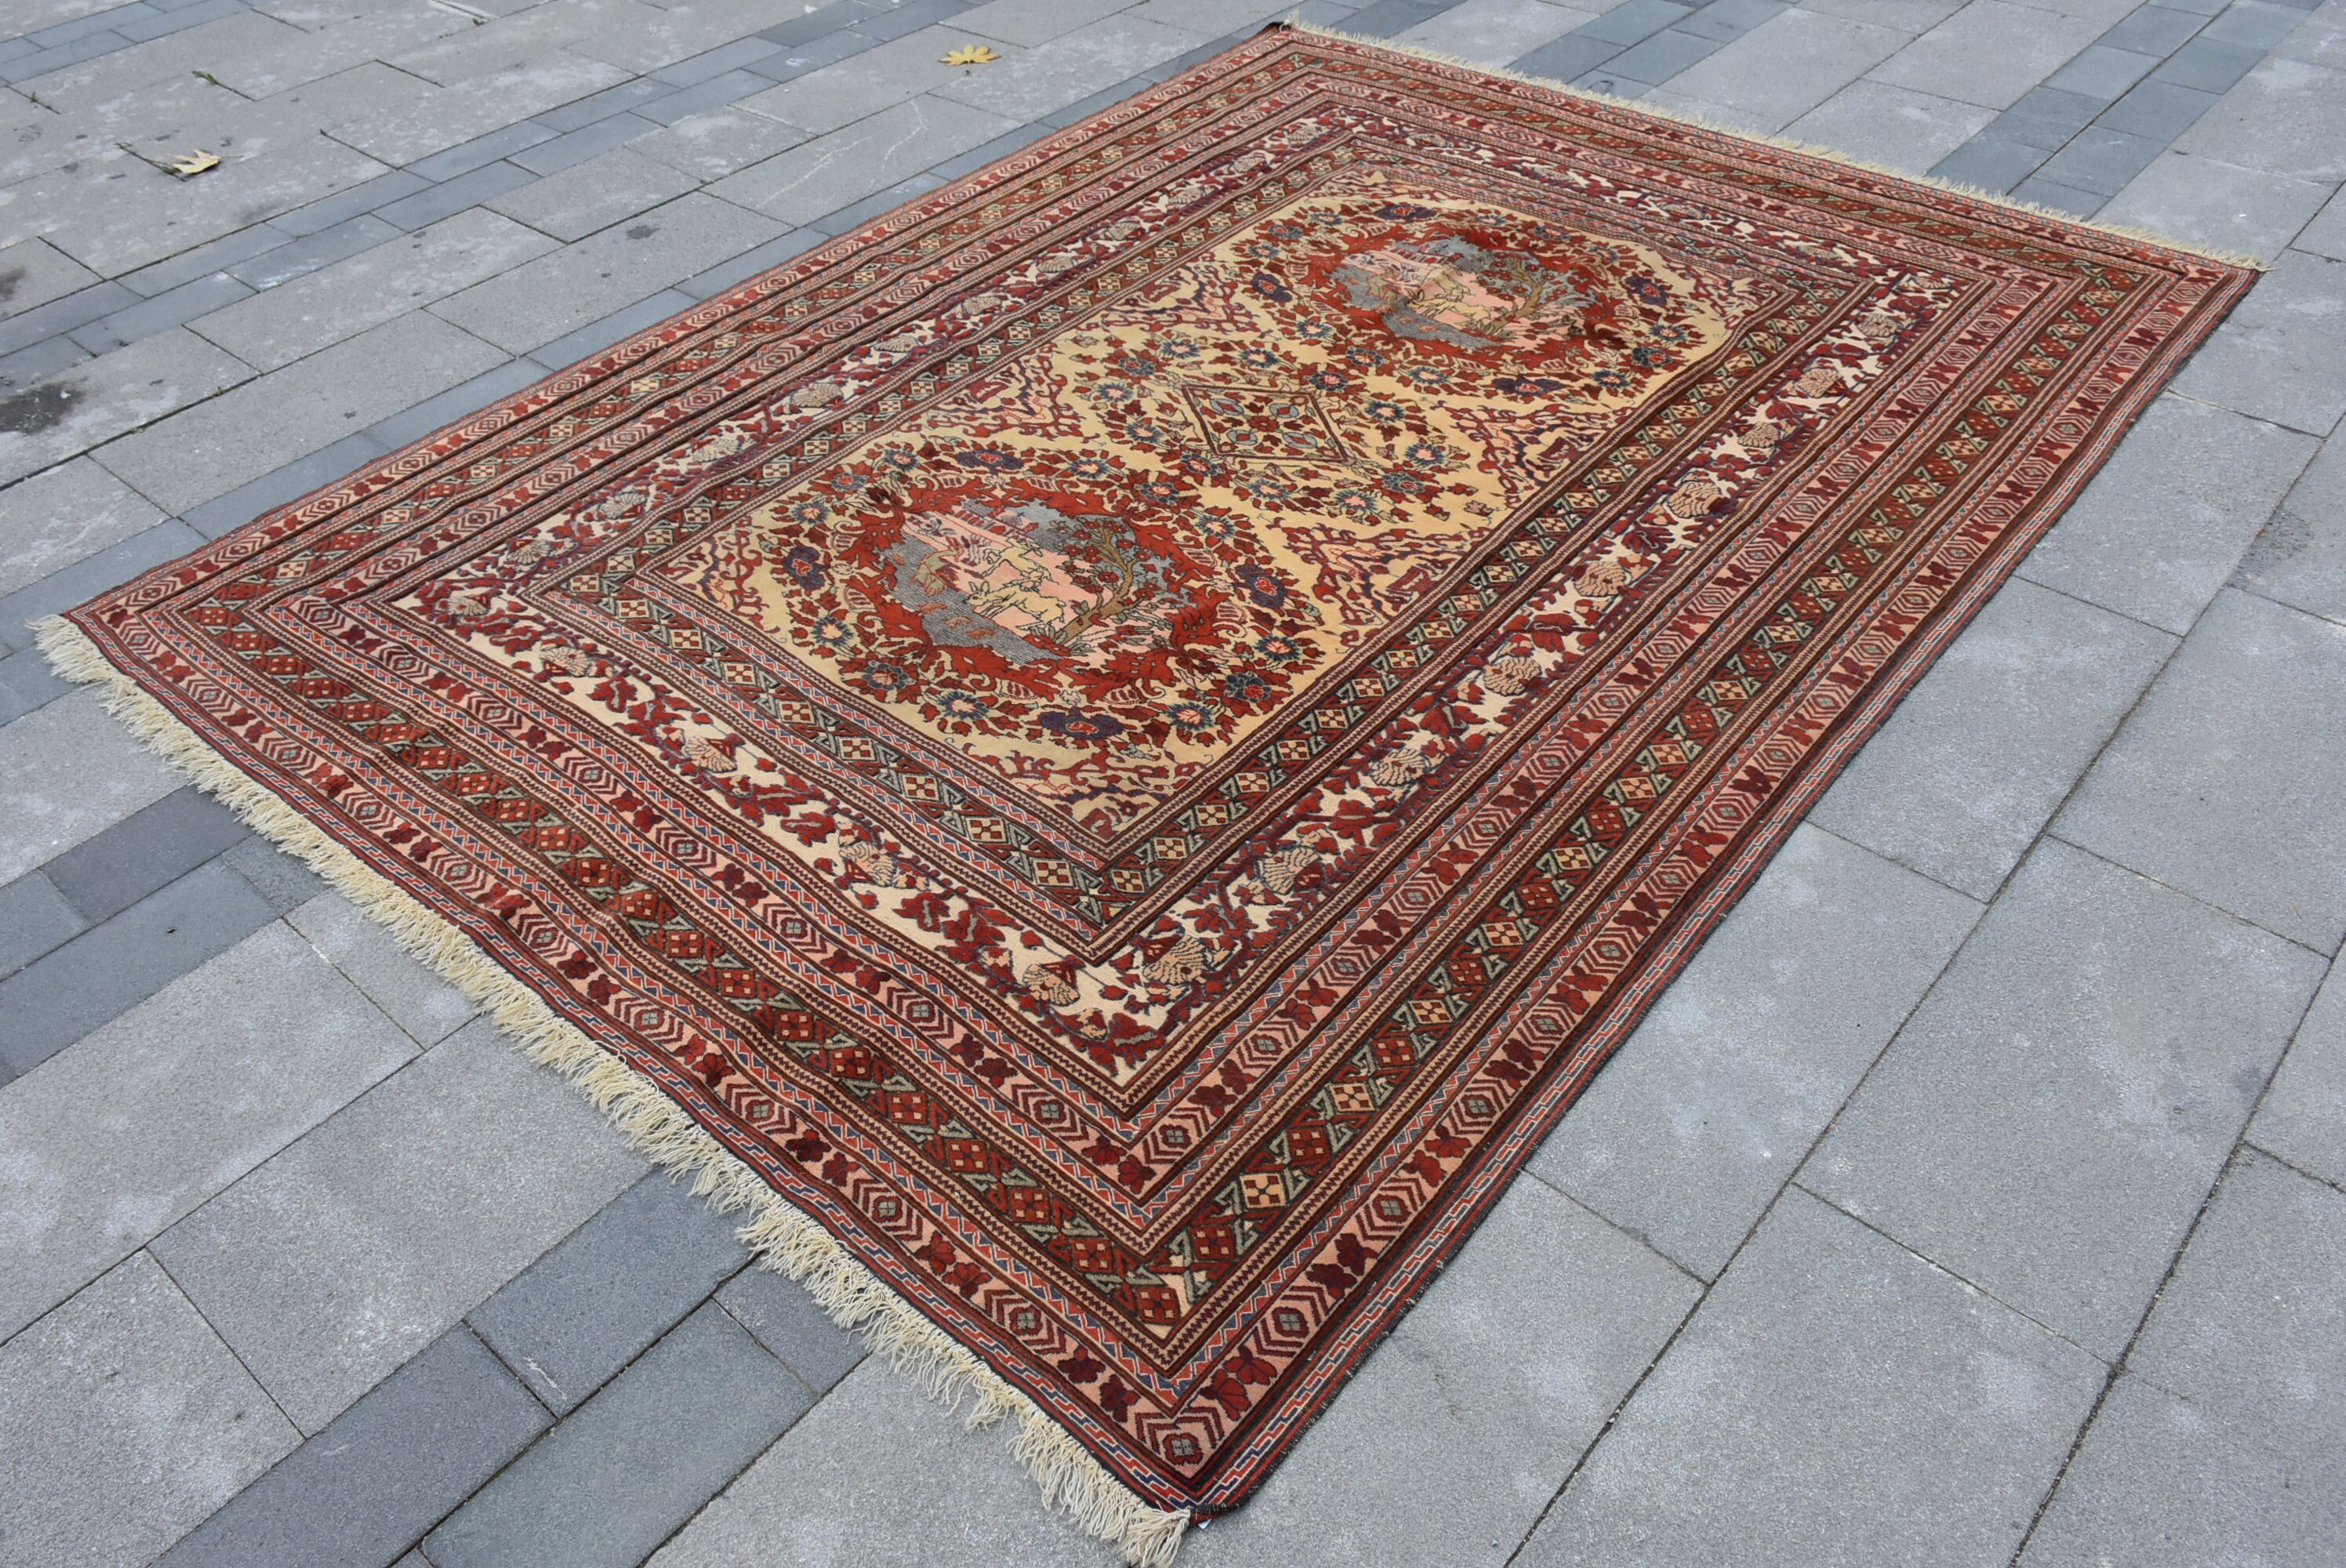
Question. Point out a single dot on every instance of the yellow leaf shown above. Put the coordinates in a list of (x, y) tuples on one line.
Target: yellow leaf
[(194, 163), (973, 55)]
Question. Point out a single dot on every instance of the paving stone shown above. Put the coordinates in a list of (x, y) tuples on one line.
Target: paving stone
[(994, 151), (1895, 127), (1567, 58), (1449, 1442), (1960, 780), (2160, 111), (56, 999), (125, 1422), (877, 205), (795, 61), (750, 263), (713, 145), (2143, 1025), (898, 17), (224, 513), (2284, 117), (2154, 30), (2209, 65), (366, 290), (475, 107), (285, 883), (2156, 1480), (468, 156), (1988, 53), (595, 336), (557, 294), (27, 682), (573, 1318), (1786, 66), (2276, 356), (144, 853), (863, 83), (101, 397), (592, 195), (210, 450), (2252, 1326), (34, 918), (46, 361), (1070, 67), (455, 404), (615, 1478), (1726, 19), (808, 182), (383, 1474), (712, 64), (363, 948), (2300, 557), (63, 515), (69, 771), (586, 142), (34, 272), (356, 1246), (289, 259), (2162, 526), (2219, 783), (781, 1316), (1490, 32), (2099, 161), (1662, 57), (1634, 21), (345, 206), (2303, 1117), (1991, 161), (2326, 235), (1835, 1400), (876, 1473), (116, 564), (2047, 117), (117, 1136), (2101, 71), (1704, 1112)]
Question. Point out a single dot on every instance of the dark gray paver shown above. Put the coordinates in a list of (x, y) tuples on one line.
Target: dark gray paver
[(1835, 1400), (606, 1486), (281, 880), (385, 1471), (573, 1318), (56, 999), (145, 851), (27, 682), (785, 1319), (226, 514), (293, 258), (34, 918)]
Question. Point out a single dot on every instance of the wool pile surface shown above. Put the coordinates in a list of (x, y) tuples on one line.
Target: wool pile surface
[(1125, 739)]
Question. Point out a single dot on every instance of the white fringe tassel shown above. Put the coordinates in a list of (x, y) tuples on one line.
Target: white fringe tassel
[(780, 1235)]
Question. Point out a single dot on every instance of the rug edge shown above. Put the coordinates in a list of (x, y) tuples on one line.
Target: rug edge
[(778, 1235), (1785, 144)]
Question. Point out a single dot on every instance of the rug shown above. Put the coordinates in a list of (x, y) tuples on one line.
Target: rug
[(1106, 754)]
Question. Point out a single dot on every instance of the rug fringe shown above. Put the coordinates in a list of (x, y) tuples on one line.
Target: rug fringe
[(1787, 144), (780, 1235)]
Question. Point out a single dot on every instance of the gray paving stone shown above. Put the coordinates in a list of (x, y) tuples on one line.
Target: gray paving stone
[(2300, 557), (285, 883), (2160, 110), (356, 1246), (64, 313), (879, 204), (64, 515), (466, 157), (579, 113), (98, 975), (34, 918), (2252, 1326), (2326, 235), (34, 272), (606, 1487), (2303, 1117), (994, 151), (1787, 65), (2284, 117), (2217, 784), (2156, 1480), (2162, 526), (716, 93), (144, 853), (2209, 64), (1726, 19), (335, 303), (1567, 58), (2154, 30), (2275, 357), (712, 64), (27, 682), (225, 513), (1705, 1111), (125, 1422), (1490, 32), (865, 83), (808, 182), (877, 1473), (456, 403), (1979, 754), (117, 1136), (363, 947), (1991, 161), (587, 141), (210, 450), (101, 397), (2143, 1025), (2103, 71), (116, 563), (1988, 53), (750, 263), (1895, 127), (471, 108), (712, 146), (371, 1483), (541, 301), (1633, 21), (1070, 67), (781, 1316), (294, 259), (2046, 116), (1452, 1438), (68, 771), (1834, 1401), (2100, 161), (346, 207), (573, 1318), (46, 361), (595, 336)]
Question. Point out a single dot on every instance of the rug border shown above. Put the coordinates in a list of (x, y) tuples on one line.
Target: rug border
[(784, 1238)]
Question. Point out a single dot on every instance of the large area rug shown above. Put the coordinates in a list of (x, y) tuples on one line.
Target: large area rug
[(1110, 751)]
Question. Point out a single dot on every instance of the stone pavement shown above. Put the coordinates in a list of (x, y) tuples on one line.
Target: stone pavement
[(1977, 1195)]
